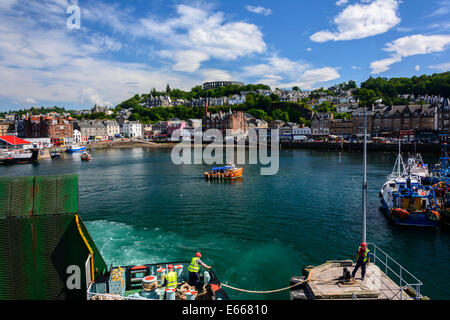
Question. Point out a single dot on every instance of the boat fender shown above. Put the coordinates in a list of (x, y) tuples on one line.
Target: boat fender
[(434, 215)]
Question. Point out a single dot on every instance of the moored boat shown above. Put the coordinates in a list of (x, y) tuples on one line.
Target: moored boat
[(19, 157), (405, 200), (76, 148), (145, 282), (85, 156), (227, 172), (441, 186), (55, 154)]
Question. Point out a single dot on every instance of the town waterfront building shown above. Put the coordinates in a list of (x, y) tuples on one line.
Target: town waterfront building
[(58, 129), (358, 122), (392, 120), (320, 124), (112, 128), (443, 119), (301, 131), (233, 121), (342, 128), (132, 129), (7, 128), (92, 130), (76, 138)]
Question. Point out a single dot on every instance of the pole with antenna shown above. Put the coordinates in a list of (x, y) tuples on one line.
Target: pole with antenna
[(364, 213)]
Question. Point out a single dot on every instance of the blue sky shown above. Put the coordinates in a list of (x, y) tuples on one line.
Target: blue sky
[(125, 47)]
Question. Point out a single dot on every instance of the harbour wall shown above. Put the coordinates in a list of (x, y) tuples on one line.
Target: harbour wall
[(348, 146)]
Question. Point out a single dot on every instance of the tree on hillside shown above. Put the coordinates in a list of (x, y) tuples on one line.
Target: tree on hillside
[(279, 114)]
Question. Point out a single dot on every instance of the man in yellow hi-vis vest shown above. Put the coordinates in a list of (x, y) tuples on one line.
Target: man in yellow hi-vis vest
[(194, 268), (170, 278), (362, 260)]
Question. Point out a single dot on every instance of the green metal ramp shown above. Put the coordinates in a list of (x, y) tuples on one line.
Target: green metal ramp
[(46, 252)]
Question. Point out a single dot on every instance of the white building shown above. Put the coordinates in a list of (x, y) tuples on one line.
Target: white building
[(236, 99), (112, 128), (132, 129), (76, 137), (301, 131)]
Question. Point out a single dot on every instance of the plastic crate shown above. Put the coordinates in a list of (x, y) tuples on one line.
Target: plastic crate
[(117, 286)]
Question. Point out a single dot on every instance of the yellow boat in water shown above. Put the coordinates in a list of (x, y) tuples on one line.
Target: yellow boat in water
[(227, 172)]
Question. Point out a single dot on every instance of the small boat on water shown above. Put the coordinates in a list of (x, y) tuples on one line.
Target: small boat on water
[(85, 156), (19, 157), (76, 148), (227, 172), (55, 154)]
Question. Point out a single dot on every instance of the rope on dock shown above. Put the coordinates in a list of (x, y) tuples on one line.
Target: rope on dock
[(282, 289), (269, 291)]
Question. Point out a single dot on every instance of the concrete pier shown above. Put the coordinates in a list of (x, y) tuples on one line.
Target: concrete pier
[(326, 282)]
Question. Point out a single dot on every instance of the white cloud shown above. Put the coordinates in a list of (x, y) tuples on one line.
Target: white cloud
[(442, 67), (31, 101), (277, 66), (308, 49), (409, 46), (418, 44), (417, 68), (341, 2), (362, 20), (384, 64), (50, 64), (43, 61), (193, 28), (7, 4), (282, 72), (314, 76), (356, 68), (259, 10), (443, 9), (189, 60), (215, 75)]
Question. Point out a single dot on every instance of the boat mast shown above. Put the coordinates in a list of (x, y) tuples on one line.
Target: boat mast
[(364, 213), (399, 158)]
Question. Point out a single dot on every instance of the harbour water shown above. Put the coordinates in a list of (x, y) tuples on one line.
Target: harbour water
[(256, 232)]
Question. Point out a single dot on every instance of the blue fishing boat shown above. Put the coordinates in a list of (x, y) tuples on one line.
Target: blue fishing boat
[(76, 148), (406, 201), (411, 204)]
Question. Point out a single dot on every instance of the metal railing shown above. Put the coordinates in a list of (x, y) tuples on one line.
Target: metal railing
[(405, 279)]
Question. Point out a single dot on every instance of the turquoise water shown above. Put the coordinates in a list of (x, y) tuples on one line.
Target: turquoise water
[(257, 232)]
